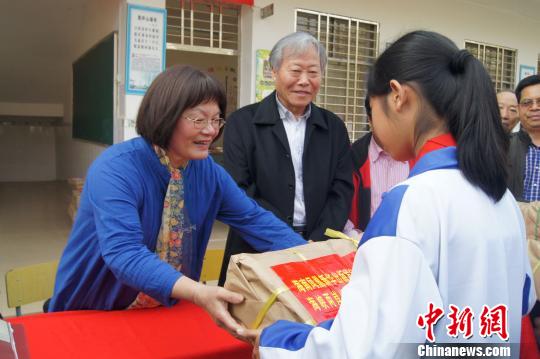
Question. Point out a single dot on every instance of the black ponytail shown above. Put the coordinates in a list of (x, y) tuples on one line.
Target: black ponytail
[(459, 90)]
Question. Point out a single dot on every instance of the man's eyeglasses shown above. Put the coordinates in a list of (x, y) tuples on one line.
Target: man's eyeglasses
[(528, 103), (200, 123)]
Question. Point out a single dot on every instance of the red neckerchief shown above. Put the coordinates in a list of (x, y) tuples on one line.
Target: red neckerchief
[(435, 143)]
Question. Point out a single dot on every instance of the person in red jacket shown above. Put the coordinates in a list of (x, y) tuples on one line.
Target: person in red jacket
[(374, 173)]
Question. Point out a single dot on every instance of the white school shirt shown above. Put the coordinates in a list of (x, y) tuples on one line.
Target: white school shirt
[(435, 238)]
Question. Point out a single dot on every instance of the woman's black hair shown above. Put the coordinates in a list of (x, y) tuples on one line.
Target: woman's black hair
[(367, 107), (172, 92), (458, 89)]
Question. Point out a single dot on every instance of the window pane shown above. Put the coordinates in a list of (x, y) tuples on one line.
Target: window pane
[(205, 23), (499, 62)]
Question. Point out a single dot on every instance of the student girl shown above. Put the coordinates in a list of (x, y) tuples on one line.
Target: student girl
[(449, 238)]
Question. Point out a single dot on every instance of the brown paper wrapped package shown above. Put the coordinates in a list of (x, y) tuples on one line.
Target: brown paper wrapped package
[(252, 276), (531, 215)]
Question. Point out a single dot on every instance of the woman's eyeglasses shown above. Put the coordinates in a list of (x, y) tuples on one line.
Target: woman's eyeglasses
[(200, 123)]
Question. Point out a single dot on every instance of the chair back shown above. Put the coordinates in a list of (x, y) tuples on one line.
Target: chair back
[(30, 284), (211, 265)]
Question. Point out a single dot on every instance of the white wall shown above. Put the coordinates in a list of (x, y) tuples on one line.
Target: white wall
[(31, 109), (27, 153), (497, 22), (491, 21), (49, 153), (247, 50), (73, 156), (27, 143)]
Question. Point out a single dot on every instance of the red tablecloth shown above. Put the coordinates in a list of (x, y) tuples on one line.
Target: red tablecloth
[(528, 347), (183, 331)]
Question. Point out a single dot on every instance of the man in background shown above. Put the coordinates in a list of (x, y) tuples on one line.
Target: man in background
[(374, 173), (524, 156), (290, 155), (524, 153), (508, 105)]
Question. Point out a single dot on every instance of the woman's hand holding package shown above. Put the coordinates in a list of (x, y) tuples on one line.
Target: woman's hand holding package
[(212, 299)]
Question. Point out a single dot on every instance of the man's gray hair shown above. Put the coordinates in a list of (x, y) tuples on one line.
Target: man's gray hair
[(296, 43)]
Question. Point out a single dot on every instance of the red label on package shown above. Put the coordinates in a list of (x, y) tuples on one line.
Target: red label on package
[(317, 282)]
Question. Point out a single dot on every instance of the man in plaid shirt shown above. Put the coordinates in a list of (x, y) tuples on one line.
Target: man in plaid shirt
[(524, 181)]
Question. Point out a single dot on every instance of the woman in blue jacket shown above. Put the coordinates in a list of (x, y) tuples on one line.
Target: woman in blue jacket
[(148, 206)]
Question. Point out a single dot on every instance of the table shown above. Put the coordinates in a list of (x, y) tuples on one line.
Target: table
[(182, 331)]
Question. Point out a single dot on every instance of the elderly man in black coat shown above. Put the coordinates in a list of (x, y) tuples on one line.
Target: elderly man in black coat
[(290, 155)]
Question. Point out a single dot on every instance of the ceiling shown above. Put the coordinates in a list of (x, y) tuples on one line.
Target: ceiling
[(37, 38)]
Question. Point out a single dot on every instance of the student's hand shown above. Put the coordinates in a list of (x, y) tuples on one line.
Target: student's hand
[(214, 301), (355, 234), (352, 232), (253, 337)]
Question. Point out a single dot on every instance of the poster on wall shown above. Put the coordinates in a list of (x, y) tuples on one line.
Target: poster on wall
[(264, 84), (526, 71), (145, 55)]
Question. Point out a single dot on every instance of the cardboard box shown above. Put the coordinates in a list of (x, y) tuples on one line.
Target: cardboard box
[(301, 284)]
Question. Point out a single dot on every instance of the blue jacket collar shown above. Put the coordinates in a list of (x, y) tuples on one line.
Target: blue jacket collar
[(436, 160)]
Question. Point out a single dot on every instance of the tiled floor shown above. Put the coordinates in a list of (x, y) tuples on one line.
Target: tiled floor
[(34, 227)]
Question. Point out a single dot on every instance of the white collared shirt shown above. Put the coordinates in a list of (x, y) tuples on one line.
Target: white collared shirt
[(295, 129)]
